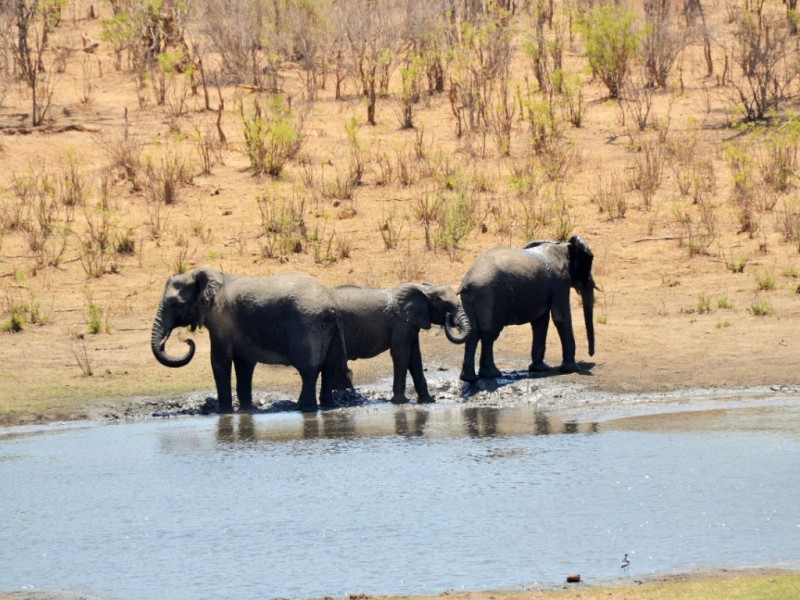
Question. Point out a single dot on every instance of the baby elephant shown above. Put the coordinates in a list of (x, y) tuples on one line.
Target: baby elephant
[(379, 320)]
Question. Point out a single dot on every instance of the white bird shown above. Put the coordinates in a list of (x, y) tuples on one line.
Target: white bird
[(625, 564)]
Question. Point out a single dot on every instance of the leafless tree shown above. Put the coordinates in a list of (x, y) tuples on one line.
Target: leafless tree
[(767, 61), (372, 30), (791, 15), (249, 36), (664, 39), (34, 20)]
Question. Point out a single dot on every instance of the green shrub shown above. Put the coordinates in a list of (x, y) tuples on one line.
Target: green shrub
[(612, 41), (272, 135)]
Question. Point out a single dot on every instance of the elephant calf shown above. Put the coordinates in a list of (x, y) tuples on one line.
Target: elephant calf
[(380, 320), (508, 286), (289, 319)]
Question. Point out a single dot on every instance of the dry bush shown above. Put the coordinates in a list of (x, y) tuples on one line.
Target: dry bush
[(767, 62), (125, 154), (609, 196), (648, 170), (778, 154), (45, 220), (664, 38), (482, 56), (555, 152), (99, 235), (788, 222), (249, 38), (164, 175), (283, 226), (696, 233)]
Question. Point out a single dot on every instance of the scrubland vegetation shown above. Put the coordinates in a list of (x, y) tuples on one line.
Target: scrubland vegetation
[(377, 141)]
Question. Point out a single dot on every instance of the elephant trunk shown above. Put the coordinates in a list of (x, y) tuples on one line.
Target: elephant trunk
[(587, 299), (158, 341), (456, 326)]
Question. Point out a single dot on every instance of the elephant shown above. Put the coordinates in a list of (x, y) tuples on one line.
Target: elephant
[(509, 286), (390, 319), (288, 319)]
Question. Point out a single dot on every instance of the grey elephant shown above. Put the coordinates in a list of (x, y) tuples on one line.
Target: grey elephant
[(380, 320), (508, 286), (289, 319)]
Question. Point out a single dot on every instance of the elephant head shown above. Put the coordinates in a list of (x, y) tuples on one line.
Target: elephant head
[(184, 303), (580, 272), (426, 304)]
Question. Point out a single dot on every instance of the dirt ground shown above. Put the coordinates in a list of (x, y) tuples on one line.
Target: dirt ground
[(667, 320)]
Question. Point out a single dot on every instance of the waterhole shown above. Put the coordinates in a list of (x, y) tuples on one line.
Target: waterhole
[(385, 500)]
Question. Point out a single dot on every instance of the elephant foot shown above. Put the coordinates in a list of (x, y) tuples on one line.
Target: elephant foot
[(569, 367), (225, 408), (489, 373), (307, 407), (539, 367), (426, 399), (468, 376), (399, 400), (246, 407)]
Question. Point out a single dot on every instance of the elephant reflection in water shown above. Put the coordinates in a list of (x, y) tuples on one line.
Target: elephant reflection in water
[(476, 422)]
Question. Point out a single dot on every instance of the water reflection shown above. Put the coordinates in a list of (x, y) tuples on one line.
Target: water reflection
[(407, 422)]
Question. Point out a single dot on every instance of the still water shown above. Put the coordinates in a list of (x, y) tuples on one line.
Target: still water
[(392, 500)]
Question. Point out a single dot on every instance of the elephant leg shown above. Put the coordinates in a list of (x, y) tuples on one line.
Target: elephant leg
[(326, 389), (418, 375), (308, 393), (539, 328), (221, 367), (468, 366), (244, 382), (488, 369), (563, 322), (401, 358)]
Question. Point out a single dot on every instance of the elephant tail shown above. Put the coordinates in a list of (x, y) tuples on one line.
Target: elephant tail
[(465, 293), (336, 357)]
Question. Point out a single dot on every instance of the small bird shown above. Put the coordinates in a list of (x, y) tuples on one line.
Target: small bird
[(625, 564)]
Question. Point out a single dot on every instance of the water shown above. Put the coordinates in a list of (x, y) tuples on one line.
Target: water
[(393, 501)]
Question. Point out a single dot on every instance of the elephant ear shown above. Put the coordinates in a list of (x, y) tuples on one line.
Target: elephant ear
[(207, 283), (411, 305), (580, 261)]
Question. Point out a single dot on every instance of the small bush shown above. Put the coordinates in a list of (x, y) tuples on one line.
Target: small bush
[(703, 303), (724, 303), (273, 135), (765, 281), (761, 306)]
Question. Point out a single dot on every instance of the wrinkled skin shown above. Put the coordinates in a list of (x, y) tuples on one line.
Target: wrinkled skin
[(380, 320), (507, 286), (289, 319)]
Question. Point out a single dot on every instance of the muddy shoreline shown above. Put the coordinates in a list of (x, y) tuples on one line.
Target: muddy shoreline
[(569, 399)]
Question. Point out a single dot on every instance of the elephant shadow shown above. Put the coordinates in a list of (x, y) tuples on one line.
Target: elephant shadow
[(469, 389)]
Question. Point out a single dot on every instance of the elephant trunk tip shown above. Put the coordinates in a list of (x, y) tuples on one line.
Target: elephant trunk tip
[(457, 327)]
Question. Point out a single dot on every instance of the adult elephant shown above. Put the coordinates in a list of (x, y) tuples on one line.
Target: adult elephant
[(289, 319), (508, 286), (380, 320)]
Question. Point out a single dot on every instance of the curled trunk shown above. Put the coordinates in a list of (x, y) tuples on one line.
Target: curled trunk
[(587, 298), (456, 326), (158, 340)]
